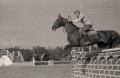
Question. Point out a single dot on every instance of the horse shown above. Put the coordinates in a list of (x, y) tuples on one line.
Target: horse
[(103, 38)]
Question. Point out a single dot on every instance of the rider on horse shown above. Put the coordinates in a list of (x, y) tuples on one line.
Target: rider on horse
[(81, 19)]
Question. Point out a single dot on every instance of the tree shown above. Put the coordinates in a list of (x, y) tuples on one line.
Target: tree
[(39, 52)]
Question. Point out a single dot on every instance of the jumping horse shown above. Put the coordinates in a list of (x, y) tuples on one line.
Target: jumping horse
[(103, 38)]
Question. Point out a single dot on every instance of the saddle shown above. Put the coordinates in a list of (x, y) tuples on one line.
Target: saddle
[(91, 33), (88, 33)]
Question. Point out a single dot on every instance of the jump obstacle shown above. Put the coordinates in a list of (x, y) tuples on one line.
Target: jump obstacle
[(7, 53), (17, 56), (96, 64), (14, 57), (49, 62)]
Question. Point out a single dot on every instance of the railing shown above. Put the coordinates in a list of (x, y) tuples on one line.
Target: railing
[(53, 62)]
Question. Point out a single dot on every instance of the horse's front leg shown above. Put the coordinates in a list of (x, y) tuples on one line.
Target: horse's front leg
[(67, 47), (70, 46)]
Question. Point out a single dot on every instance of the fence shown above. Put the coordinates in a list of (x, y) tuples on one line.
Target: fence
[(49, 62), (96, 64)]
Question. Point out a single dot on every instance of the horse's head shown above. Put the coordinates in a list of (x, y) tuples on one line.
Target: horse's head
[(59, 22)]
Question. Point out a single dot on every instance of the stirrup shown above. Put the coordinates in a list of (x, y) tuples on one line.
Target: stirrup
[(91, 29)]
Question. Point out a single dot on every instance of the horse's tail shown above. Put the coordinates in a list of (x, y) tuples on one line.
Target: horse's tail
[(119, 40)]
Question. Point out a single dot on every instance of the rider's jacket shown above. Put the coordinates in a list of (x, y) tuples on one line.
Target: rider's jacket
[(83, 20)]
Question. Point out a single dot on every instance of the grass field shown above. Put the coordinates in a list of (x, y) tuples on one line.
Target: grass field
[(43, 71)]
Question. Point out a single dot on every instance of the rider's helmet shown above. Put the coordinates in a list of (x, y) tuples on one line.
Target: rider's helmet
[(77, 11)]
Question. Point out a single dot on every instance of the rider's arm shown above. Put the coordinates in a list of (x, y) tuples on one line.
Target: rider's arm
[(78, 19), (69, 18)]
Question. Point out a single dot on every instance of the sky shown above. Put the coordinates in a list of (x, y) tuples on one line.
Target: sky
[(27, 23)]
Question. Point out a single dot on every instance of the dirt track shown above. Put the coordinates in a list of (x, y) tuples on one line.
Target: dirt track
[(56, 71)]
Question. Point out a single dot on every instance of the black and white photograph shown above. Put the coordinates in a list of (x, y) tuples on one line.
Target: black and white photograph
[(59, 38)]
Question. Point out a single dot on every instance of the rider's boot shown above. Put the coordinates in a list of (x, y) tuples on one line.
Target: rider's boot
[(85, 33)]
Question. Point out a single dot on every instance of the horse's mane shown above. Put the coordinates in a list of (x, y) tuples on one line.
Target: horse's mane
[(71, 23), (73, 27)]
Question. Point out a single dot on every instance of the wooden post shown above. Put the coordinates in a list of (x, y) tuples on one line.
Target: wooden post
[(33, 61), (90, 48), (18, 53), (0, 53), (13, 53), (7, 52)]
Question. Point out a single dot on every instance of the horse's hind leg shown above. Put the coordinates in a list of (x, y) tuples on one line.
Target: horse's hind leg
[(114, 45)]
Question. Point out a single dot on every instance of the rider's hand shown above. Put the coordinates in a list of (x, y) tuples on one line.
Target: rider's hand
[(69, 17)]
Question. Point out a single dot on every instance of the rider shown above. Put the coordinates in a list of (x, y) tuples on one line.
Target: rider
[(81, 19)]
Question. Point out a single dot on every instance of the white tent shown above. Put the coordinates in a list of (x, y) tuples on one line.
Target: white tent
[(5, 61)]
